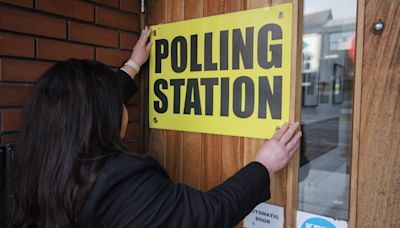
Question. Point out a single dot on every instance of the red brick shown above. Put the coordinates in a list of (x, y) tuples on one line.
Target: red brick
[(24, 3), (9, 138), (69, 8), (12, 119), (59, 50), (112, 57), (133, 113), (14, 95), (113, 3), (32, 23), (130, 5), (117, 19), (93, 35), (22, 70), (16, 45), (132, 131), (127, 40)]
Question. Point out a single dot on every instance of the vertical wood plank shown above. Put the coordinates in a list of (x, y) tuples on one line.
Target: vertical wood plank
[(234, 5), (253, 4), (232, 147), (231, 156), (211, 144), (193, 9), (157, 138), (251, 145), (174, 10), (213, 7), (211, 161), (174, 155), (192, 159), (192, 142), (277, 2), (292, 180), (356, 114), (174, 139), (379, 148)]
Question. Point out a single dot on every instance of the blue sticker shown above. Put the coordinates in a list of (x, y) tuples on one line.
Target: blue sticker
[(317, 223)]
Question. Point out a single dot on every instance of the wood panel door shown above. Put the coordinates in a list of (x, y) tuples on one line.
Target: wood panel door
[(204, 160), (375, 176)]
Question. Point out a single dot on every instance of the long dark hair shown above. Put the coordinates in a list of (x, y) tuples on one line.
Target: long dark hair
[(71, 127)]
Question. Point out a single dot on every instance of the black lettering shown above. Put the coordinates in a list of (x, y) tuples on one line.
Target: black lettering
[(177, 83), (194, 65), (244, 49), (248, 99), (192, 88), (263, 47), (224, 96), (183, 54), (209, 84), (274, 99), (223, 50), (208, 64), (162, 105), (261, 219), (161, 53)]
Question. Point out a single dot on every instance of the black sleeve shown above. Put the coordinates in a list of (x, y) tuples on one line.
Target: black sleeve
[(152, 200), (127, 85)]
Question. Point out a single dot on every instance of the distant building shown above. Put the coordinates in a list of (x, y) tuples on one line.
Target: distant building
[(327, 68)]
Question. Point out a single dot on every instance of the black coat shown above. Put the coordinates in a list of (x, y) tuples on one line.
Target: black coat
[(131, 191)]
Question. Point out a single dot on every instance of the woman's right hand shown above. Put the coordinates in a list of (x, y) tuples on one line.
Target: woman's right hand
[(141, 51), (276, 152)]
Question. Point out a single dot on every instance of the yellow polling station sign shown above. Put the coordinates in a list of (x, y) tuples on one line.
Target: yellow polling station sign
[(227, 74)]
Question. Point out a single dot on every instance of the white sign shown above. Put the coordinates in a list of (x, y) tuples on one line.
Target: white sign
[(308, 220), (264, 216), (311, 52)]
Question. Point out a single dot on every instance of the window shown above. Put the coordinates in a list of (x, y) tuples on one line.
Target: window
[(326, 114)]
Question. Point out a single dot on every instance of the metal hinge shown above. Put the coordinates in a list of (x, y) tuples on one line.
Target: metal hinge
[(142, 6)]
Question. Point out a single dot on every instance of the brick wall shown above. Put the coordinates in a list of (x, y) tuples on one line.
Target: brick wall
[(35, 34)]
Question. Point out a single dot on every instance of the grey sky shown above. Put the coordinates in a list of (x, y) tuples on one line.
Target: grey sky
[(340, 8)]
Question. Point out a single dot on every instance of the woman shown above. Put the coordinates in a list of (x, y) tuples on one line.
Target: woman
[(70, 168)]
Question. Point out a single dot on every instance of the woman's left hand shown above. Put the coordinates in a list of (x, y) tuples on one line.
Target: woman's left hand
[(141, 51)]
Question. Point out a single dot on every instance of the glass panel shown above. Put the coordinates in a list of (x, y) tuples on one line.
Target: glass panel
[(327, 88)]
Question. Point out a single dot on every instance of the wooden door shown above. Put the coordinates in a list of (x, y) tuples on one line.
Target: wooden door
[(204, 160), (375, 176)]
